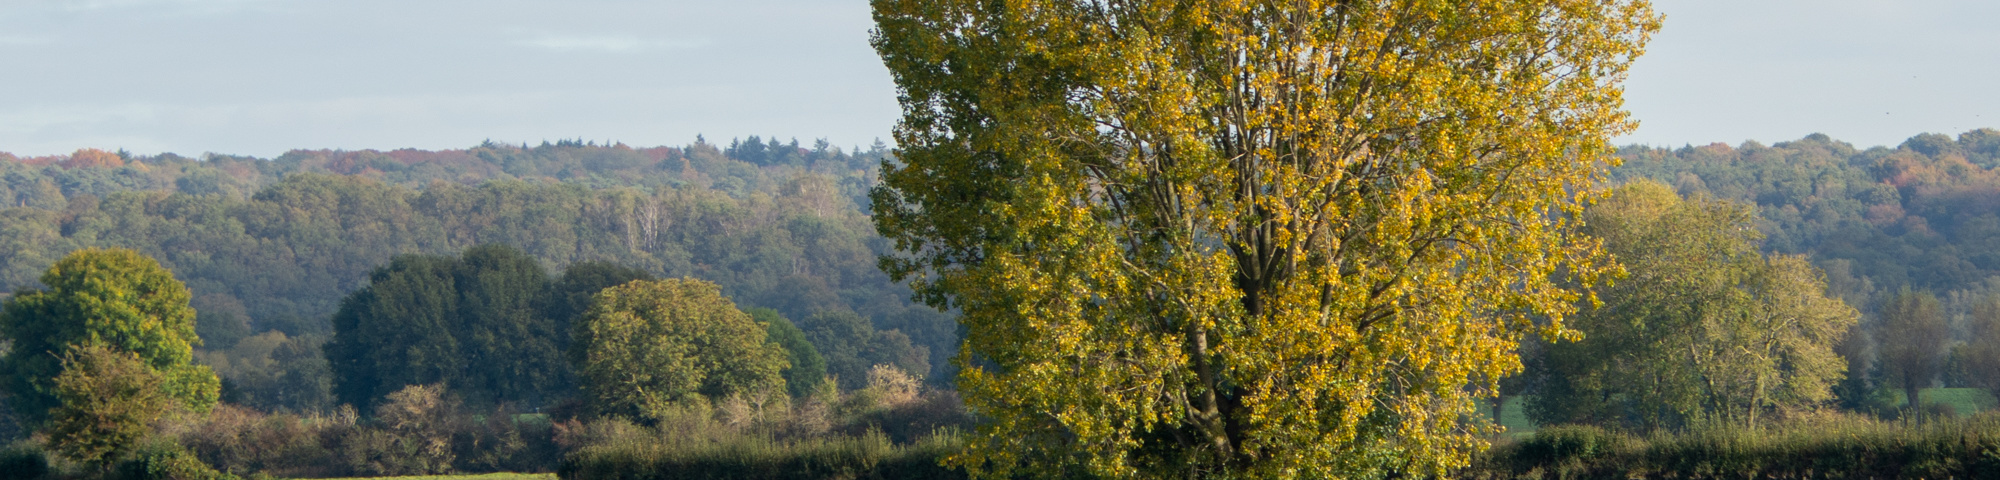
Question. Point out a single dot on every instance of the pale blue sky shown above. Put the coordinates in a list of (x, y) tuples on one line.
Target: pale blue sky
[(259, 77)]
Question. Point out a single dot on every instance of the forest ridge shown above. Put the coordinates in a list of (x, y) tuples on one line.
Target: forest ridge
[(274, 244)]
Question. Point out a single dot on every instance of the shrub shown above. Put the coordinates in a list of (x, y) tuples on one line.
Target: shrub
[(867, 456), (890, 430), (23, 461), (1812, 446), (419, 431), (507, 442), (107, 401), (1565, 443), (167, 461)]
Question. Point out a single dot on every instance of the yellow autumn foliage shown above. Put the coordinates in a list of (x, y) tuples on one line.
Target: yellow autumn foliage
[(1246, 239)]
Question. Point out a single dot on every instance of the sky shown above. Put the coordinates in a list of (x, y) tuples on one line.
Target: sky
[(260, 77)]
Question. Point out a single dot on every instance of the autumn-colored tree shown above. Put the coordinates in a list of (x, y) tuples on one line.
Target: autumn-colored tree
[(108, 400), (1912, 336), (653, 344), (93, 158), (1245, 239), (115, 298), (1705, 328)]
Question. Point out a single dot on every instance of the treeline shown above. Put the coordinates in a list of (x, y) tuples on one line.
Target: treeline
[(453, 359), (270, 246), (1925, 214)]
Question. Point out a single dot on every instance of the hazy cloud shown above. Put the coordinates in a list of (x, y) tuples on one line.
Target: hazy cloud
[(614, 44)]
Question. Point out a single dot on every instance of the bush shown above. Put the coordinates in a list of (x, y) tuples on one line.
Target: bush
[(418, 431), (506, 442), (241, 441), (167, 461), (1567, 444), (23, 461), (868, 456), (890, 429), (1816, 446)]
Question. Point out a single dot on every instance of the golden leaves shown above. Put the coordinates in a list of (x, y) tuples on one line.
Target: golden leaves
[(1244, 238)]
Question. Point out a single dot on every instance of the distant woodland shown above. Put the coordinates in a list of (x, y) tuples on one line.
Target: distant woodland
[(1888, 226), (269, 247)]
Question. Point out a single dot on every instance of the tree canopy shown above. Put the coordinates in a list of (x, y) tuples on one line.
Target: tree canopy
[(1245, 239), (1705, 328), (651, 345), (805, 367), (472, 322), (288, 238), (108, 401), (117, 299)]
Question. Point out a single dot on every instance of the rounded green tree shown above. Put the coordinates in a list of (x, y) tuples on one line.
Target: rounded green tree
[(807, 368), (646, 345), (115, 298)]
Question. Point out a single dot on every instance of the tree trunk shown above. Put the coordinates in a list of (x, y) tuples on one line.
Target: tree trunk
[(1910, 393)]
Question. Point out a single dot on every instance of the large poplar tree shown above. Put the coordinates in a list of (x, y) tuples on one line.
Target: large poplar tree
[(1245, 238)]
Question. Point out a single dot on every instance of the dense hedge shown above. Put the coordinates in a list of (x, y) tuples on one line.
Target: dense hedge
[(870, 456), (1822, 447)]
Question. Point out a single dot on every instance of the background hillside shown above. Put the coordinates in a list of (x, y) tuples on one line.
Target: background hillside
[(273, 244)]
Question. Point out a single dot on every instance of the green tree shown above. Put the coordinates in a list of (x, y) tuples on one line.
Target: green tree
[(108, 400), (396, 332), (1912, 337), (807, 369), (115, 298), (851, 346), (648, 345), (570, 296), (1245, 239), (473, 322), (513, 352), (1704, 327), (220, 320)]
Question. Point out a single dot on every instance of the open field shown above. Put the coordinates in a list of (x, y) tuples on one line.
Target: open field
[(1965, 401)]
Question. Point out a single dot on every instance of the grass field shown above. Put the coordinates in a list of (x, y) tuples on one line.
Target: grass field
[(1512, 416), (1965, 401), (486, 476)]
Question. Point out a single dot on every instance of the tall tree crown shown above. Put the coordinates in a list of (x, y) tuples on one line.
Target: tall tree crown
[(1245, 238)]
